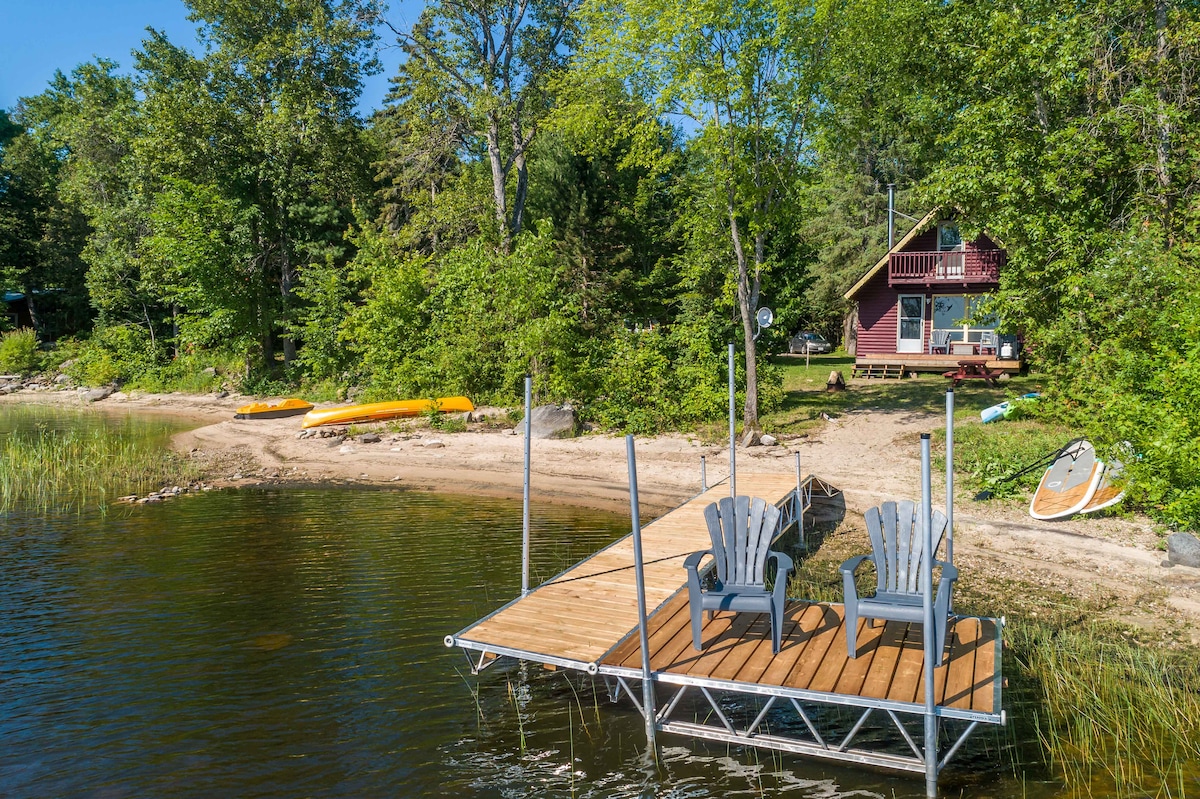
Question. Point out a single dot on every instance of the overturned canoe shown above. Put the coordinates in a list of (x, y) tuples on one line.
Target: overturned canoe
[(264, 410), (379, 411)]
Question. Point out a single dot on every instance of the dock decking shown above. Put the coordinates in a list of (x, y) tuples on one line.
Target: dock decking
[(575, 619), (586, 619)]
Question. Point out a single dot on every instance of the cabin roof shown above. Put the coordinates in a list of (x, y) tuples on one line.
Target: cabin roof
[(917, 229)]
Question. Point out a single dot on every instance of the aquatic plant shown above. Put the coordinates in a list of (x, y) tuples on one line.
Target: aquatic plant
[(70, 467), (1114, 717)]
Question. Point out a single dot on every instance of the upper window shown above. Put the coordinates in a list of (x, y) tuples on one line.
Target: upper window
[(948, 236)]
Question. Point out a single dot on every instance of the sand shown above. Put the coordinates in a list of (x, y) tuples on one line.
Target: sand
[(869, 455)]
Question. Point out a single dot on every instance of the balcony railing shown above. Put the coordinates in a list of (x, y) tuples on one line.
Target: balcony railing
[(957, 266)]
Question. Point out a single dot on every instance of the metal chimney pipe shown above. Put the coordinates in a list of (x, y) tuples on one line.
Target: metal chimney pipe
[(891, 216)]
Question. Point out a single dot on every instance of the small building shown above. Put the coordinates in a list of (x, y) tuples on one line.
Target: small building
[(915, 307)]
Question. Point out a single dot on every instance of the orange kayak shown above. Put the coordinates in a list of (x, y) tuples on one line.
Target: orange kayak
[(263, 410), (379, 411)]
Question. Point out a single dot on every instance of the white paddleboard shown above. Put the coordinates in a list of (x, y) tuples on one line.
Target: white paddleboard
[(1068, 485), (1110, 490)]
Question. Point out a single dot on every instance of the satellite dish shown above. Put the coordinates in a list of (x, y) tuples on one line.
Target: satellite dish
[(765, 317)]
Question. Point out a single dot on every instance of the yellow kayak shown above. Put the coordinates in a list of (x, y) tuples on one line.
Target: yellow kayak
[(263, 410), (379, 411)]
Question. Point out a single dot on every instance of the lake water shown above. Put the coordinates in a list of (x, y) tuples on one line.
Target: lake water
[(288, 642)]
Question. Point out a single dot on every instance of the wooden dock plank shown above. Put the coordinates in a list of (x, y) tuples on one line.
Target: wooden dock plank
[(878, 681), (764, 667), (828, 631), (961, 677), (983, 697)]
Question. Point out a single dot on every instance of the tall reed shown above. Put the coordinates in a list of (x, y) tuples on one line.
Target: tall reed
[(1115, 718), (64, 468)]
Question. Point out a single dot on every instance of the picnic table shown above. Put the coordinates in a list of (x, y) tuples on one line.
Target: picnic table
[(972, 370)]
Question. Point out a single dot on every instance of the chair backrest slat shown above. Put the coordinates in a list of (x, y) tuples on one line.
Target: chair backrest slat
[(897, 544), (889, 542), (741, 530), (741, 511)]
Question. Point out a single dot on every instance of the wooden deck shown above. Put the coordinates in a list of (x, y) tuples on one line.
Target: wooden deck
[(923, 362), (813, 658), (578, 617)]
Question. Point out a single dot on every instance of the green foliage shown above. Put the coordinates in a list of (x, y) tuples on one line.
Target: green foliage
[(19, 352), (115, 354), (985, 455)]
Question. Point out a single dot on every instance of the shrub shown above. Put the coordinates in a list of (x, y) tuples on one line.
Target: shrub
[(114, 354), (19, 351)]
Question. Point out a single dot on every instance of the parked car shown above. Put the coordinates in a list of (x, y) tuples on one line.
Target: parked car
[(808, 342)]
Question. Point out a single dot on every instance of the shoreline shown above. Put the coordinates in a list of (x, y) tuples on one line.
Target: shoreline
[(870, 456)]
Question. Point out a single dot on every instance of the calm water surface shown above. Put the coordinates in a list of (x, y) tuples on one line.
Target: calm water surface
[(286, 643)]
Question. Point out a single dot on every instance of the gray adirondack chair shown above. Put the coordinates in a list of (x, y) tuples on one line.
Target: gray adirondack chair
[(741, 530), (897, 543)]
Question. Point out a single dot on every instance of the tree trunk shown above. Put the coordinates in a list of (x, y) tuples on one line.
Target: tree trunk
[(522, 190), (750, 427), (33, 315), (497, 161), (287, 278), (1163, 137)]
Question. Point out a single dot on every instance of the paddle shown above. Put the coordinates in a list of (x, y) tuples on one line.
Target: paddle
[(1045, 460)]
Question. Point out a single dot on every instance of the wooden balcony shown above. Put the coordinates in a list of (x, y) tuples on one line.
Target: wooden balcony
[(960, 267)]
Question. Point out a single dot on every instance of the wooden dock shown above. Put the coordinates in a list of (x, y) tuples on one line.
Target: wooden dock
[(586, 619), (575, 619)]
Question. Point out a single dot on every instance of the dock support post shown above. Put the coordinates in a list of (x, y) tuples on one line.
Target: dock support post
[(525, 510), (800, 502), (927, 636), (950, 476), (703, 475), (647, 684), (732, 429)]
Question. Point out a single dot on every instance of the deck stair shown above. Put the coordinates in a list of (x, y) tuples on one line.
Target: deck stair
[(880, 370)]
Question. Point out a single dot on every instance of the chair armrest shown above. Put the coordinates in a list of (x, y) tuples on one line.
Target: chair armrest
[(783, 567), (949, 572), (693, 560), (851, 565), (782, 562), (945, 585)]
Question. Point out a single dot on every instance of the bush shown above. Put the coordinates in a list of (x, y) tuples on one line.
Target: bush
[(115, 354), (19, 351)]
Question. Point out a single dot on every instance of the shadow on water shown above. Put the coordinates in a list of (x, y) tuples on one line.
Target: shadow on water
[(285, 643)]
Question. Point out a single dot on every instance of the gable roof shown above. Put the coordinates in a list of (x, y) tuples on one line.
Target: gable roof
[(917, 229)]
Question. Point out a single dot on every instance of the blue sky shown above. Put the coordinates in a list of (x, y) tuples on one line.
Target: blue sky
[(39, 36)]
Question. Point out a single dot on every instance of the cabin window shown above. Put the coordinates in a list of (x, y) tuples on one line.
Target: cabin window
[(948, 237), (959, 314)]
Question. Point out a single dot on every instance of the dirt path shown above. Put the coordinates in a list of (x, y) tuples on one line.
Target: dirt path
[(870, 455)]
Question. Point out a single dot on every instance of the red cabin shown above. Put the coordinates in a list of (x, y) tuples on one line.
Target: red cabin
[(915, 307)]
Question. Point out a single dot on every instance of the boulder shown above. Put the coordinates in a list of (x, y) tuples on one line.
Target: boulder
[(751, 438), (97, 394), (62, 380), (211, 371), (1183, 549), (769, 440), (369, 438), (434, 443), (835, 382), (552, 421)]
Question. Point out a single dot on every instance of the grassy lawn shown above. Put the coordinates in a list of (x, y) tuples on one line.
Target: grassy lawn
[(805, 398)]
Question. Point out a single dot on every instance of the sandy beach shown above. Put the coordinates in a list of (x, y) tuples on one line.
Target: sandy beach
[(870, 456)]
